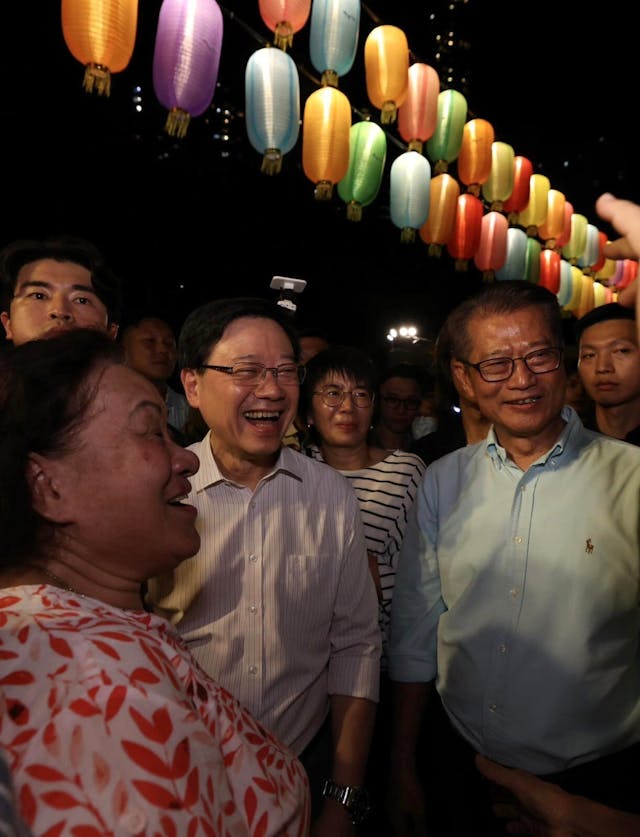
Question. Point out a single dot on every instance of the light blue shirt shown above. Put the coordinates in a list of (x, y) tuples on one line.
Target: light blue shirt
[(519, 592)]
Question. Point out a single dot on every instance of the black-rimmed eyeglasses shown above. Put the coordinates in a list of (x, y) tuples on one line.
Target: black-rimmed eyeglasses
[(334, 396), (252, 374), (501, 368)]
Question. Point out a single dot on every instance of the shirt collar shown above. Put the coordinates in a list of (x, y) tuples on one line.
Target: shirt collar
[(568, 439), (288, 462)]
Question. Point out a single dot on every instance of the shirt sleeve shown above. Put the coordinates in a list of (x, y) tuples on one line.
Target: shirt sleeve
[(417, 601), (354, 665)]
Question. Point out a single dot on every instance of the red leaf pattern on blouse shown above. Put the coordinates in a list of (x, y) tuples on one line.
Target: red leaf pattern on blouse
[(129, 729)]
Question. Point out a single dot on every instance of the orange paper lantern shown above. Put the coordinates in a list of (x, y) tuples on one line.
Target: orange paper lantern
[(326, 124), (386, 64), (474, 157), (443, 204), (100, 34), (465, 237)]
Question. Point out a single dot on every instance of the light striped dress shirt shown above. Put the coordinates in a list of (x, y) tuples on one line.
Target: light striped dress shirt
[(278, 605)]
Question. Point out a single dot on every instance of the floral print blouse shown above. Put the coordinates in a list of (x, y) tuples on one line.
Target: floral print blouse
[(110, 727)]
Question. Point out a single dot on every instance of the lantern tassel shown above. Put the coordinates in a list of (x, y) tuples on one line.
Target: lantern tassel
[(98, 78), (283, 35), (435, 250), (354, 211), (408, 235), (177, 122), (323, 190), (388, 113), (271, 161)]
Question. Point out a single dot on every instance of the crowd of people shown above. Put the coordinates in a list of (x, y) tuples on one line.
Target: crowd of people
[(253, 583)]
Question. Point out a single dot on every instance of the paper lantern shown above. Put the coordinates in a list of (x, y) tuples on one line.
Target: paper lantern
[(600, 263), (272, 104), (533, 249), (186, 59), (284, 18), (492, 248), (418, 114), (591, 253), (629, 273), (465, 237), (443, 204), (574, 248), (550, 270), (565, 235), (326, 125), (100, 34), (553, 225), (576, 287), (386, 65), (367, 155), (333, 37), (497, 188), (474, 157), (587, 300), (519, 197), (515, 265), (565, 288), (535, 212), (599, 294), (444, 145), (409, 187)]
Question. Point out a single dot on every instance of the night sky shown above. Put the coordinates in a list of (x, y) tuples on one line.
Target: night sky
[(185, 221)]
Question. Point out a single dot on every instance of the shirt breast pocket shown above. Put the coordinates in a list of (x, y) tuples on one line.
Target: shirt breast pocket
[(310, 591)]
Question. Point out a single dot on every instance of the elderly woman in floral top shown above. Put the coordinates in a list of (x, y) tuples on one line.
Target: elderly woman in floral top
[(107, 723)]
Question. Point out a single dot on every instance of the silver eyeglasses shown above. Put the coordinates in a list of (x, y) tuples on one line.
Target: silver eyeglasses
[(501, 368), (334, 396), (252, 374)]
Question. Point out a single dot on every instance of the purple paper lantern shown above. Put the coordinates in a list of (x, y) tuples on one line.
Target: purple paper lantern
[(186, 59)]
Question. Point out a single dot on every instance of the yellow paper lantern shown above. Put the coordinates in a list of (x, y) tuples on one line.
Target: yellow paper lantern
[(100, 34)]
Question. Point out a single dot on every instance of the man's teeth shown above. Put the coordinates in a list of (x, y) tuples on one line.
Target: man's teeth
[(262, 414), (179, 499), (525, 401)]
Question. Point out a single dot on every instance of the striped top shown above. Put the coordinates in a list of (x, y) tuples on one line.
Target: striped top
[(386, 492)]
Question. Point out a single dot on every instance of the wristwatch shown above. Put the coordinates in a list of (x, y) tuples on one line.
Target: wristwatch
[(355, 800)]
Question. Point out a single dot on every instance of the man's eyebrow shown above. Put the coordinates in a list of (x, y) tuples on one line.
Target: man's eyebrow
[(39, 283)]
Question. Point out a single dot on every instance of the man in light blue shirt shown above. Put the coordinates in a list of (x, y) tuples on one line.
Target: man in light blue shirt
[(517, 585)]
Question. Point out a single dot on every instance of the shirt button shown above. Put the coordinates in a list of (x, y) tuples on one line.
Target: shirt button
[(514, 592), (502, 648), (253, 669), (492, 707), (253, 558), (518, 539), (253, 609)]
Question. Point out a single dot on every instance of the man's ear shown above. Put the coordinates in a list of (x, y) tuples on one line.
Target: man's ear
[(191, 385), (6, 322), (112, 330), (44, 480), (462, 379)]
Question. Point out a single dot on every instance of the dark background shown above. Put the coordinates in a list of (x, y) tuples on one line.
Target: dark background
[(185, 221)]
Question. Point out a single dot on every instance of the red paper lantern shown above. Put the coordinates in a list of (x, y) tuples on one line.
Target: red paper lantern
[(492, 248), (284, 18), (418, 114), (550, 270), (465, 237), (519, 197)]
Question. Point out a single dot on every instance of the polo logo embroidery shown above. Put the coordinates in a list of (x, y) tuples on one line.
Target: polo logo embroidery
[(588, 546)]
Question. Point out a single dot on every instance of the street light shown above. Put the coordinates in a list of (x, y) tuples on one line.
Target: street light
[(408, 333)]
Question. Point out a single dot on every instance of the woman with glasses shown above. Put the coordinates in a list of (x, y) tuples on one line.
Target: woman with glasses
[(337, 399)]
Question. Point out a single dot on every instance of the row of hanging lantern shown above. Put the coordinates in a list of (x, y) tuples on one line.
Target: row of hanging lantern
[(508, 219)]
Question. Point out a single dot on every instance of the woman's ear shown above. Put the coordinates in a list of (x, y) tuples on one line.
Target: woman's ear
[(43, 478)]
